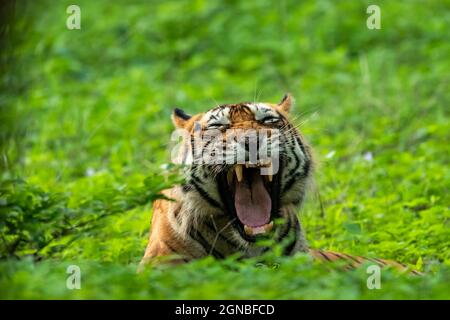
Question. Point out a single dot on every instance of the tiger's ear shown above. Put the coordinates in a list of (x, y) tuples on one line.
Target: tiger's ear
[(180, 118), (286, 103)]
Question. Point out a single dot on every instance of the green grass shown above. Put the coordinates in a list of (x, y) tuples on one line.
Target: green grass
[(85, 133)]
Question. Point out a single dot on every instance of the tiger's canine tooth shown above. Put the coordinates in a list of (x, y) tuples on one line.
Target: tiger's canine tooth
[(270, 177), (248, 230), (238, 170), (268, 227)]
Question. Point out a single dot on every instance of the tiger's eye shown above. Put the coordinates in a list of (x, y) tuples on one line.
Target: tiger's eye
[(270, 120)]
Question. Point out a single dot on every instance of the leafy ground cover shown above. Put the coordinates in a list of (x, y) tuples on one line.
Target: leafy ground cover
[(85, 141)]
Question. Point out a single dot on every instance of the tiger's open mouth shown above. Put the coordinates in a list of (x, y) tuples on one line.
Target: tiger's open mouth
[(252, 199)]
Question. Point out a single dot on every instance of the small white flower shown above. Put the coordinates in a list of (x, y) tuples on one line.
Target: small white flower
[(330, 154), (368, 156), (90, 172), (164, 166)]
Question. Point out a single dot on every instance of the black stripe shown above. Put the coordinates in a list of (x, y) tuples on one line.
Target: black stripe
[(290, 183), (196, 235), (246, 108), (220, 235), (286, 232), (298, 201), (306, 166), (298, 176), (170, 247), (193, 151), (284, 99), (205, 195), (195, 178), (290, 247), (381, 261), (297, 164), (207, 143), (302, 146), (182, 257), (338, 255), (371, 259), (343, 257), (186, 187), (324, 255), (352, 258), (220, 108)]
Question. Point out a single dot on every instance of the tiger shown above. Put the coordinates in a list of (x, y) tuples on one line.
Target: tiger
[(224, 207)]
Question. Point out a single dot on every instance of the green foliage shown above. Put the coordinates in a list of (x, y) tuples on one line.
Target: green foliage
[(32, 221), (291, 278), (85, 127)]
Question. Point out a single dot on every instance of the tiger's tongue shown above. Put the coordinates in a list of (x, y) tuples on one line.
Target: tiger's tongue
[(252, 201)]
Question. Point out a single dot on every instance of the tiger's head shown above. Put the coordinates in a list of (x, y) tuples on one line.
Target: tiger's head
[(245, 164)]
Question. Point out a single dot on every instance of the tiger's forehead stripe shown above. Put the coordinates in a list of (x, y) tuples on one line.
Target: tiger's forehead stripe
[(219, 114), (224, 114), (262, 110)]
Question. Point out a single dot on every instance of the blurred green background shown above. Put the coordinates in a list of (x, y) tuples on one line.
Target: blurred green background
[(85, 127)]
